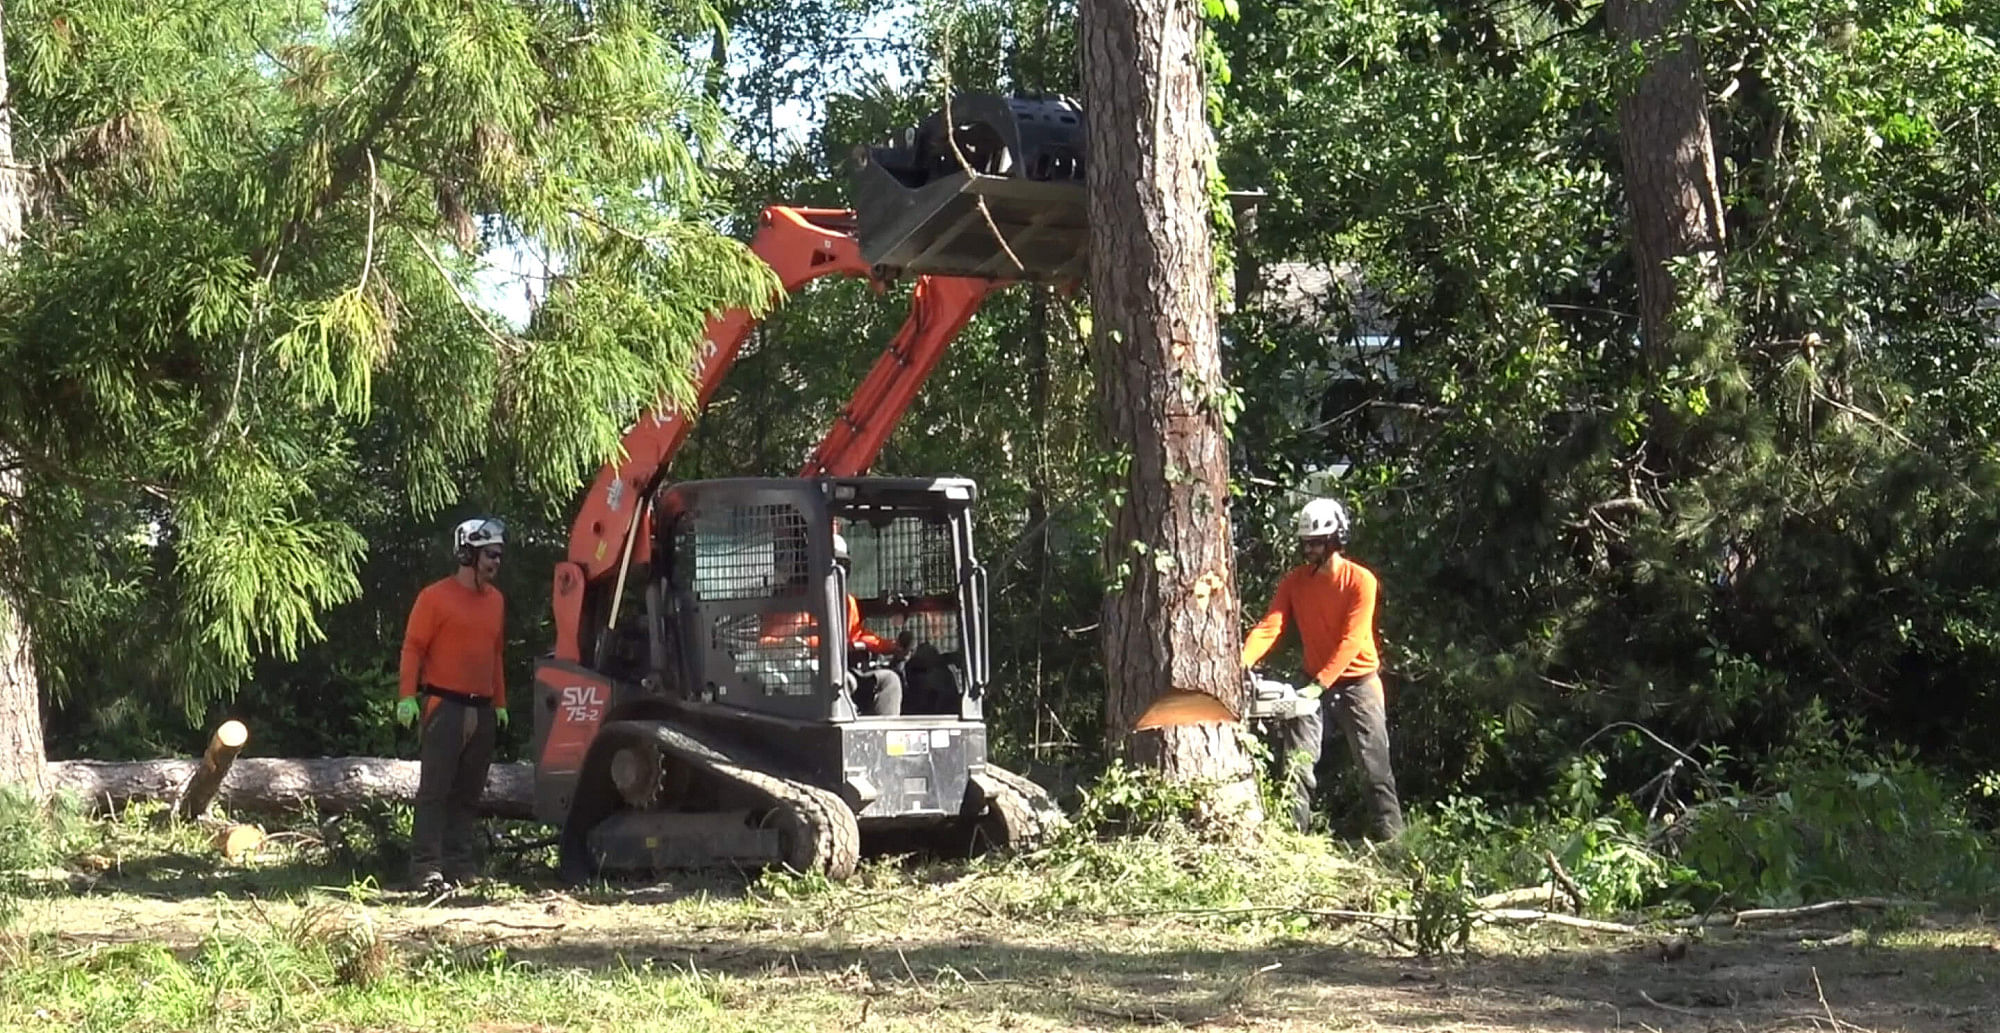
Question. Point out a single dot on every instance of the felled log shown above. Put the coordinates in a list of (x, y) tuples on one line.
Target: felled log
[(200, 789), (278, 785)]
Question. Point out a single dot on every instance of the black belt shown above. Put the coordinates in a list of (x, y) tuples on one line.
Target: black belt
[(456, 697)]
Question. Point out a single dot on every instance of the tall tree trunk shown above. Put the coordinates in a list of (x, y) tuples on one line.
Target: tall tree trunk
[(1039, 384), (23, 758), (1170, 623), (1668, 152), (23, 763)]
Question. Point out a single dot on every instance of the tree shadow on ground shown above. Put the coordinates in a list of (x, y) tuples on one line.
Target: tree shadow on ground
[(514, 867), (1733, 983)]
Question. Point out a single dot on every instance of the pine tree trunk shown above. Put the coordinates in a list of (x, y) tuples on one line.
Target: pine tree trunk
[(23, 762), (13, 201), (1170, 621), (23, 758), (1668, 154)]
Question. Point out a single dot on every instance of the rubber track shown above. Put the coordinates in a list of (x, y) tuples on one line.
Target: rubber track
[(833, 842), (1024, 832), (1026, 805)]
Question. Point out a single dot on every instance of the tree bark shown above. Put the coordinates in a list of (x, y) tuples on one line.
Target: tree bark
[(275, 785), (1671, 185), (23, 757), (13, 193), (1170, 624)]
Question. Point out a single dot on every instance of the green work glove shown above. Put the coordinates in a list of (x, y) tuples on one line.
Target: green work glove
[(500, 717), (1311, 690), (406, 711)]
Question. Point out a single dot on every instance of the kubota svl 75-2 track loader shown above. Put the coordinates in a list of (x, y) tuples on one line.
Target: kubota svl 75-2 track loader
[(697, 709)]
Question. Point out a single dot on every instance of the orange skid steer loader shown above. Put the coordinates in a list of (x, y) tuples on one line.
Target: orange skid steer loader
[(672, 728)]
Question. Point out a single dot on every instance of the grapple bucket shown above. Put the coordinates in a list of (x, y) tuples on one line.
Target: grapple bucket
[(995, 190)]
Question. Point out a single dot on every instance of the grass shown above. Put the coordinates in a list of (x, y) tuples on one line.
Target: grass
[(153, 931), (271, 982)]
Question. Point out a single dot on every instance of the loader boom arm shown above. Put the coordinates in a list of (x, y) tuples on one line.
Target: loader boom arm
[(939, 308), (800, 245)]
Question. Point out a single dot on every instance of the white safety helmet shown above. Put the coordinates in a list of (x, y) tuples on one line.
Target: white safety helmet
[(477, 533), (1323, 518)]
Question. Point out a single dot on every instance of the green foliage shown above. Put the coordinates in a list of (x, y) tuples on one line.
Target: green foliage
[(1832, 818), (1796, 504), (1138, 843), (327, 962), (1128, 799), (1441, 906), (279, 213), (33, 836), (1465, 847)]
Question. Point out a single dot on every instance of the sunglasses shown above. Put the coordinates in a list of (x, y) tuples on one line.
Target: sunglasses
[(490, 554)]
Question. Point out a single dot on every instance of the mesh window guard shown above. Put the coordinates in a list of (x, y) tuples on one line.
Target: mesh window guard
[(906, 562), (750, 552), (776, 652)]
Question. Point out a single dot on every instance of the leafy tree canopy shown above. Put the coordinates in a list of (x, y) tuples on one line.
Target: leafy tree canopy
[(245, 322)]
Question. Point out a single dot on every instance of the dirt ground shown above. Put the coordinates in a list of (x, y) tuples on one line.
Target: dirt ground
[(948, 961)]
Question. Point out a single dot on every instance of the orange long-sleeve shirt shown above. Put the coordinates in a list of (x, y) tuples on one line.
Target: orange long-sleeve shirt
[(802, 625), (1334, 611), (859, 632), (454, 640)]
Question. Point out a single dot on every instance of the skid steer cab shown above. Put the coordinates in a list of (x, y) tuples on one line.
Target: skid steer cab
[(720, 726)]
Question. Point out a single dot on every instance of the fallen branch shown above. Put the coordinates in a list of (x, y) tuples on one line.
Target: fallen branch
[(1767, 914), (525, 927), (1838, 1023), (1675, 1008), (1546, 892), (1271, 909), (1381, 921), (273, 785), (1569, 886), (1523, 916)]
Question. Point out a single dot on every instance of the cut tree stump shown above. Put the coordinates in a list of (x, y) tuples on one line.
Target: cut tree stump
[(235, 841), (200, 789), (277, 785)]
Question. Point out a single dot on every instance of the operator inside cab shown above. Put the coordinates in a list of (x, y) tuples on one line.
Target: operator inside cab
[(876, 688)]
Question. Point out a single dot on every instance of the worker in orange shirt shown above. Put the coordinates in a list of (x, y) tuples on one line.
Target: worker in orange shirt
[(1330, 599), (877, 690), (452, 659)]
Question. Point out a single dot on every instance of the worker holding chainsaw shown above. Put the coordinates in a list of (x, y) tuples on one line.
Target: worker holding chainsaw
[(1330, 599), (452, 662)]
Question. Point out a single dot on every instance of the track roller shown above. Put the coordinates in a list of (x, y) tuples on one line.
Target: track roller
[(653, 797), (1018, 815)]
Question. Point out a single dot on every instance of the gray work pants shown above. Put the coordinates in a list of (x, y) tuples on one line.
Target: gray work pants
[(1295, 750), (877, 692), (1360, 708), (456, 748)]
